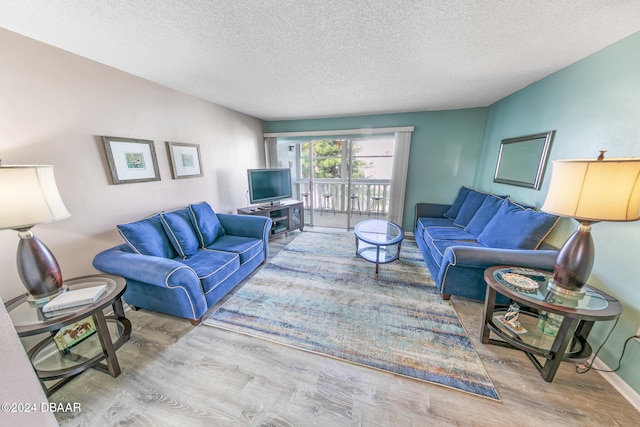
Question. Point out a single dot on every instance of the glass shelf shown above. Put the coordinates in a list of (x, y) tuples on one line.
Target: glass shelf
[(369, 252), (52, 363), (534, 339)]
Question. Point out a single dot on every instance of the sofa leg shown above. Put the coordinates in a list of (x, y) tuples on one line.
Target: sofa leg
[(195, 322), (445, 297)]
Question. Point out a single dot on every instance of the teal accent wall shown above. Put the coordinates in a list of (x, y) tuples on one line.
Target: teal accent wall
[(593, 105), (444, 149)]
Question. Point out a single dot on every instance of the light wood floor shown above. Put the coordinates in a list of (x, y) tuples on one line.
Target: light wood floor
[(174, 374)]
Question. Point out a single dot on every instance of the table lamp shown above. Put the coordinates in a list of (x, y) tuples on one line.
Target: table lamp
[(30, 196), (589, 191)]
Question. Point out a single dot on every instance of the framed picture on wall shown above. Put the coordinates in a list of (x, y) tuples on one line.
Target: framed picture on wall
[(131, 160), (185, 160), (522, 160)]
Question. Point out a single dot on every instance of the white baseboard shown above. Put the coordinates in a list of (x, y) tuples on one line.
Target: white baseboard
[(623, 388)]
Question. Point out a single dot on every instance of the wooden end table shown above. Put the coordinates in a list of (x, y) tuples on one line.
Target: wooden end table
[(48, 361), (577, 318)]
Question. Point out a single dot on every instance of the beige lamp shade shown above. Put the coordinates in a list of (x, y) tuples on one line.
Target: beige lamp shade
[(595, 190), (29, 196)]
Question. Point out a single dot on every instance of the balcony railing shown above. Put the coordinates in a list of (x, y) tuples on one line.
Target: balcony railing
[(365, 195)]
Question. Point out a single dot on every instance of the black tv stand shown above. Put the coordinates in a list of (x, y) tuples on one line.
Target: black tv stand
[(286, 216)]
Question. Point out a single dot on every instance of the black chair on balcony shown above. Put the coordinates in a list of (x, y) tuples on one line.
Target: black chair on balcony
[(327, 203), (375, 206), (355, 198), (305, 200)]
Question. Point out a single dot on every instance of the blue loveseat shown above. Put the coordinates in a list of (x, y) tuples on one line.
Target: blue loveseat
[(184, 261), (459, 241)]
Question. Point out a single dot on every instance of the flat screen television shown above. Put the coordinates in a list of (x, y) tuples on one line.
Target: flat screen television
[(267, 186)]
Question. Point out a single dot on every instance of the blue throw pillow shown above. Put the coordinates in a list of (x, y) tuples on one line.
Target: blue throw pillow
[(177, 225), (523, 206), (147, 237), (484, 214), (455, 207), (206, 223), (513, 227), (469, 208)]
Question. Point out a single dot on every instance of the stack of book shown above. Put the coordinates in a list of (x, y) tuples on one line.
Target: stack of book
[(68, 302)]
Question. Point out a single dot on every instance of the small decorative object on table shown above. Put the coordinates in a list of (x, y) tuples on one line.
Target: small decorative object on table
[(510, 319), (549, 323), (522, 283)]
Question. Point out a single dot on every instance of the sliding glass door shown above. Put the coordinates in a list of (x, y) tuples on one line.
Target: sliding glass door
[(371, 176), (343, 179), (340, 180)]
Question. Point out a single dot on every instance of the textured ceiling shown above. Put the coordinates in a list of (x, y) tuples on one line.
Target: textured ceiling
[(291, 59)]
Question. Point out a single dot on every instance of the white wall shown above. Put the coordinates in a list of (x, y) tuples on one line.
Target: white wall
[(54, 106)]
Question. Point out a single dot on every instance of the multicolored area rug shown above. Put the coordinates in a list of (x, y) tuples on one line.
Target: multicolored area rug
[(317, 295)]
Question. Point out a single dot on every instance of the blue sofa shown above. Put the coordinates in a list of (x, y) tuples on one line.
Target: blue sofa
[(184, 261), (459, 241)]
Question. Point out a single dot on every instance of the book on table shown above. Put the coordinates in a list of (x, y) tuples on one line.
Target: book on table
[(75, 298), (71, 335)]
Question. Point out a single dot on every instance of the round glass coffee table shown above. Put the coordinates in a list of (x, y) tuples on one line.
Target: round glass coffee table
[(378, 240)]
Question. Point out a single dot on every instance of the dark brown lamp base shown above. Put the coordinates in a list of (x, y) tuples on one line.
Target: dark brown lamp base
[(38, 269), (575, 261)]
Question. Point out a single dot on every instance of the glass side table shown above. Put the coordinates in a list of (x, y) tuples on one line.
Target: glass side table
[(378, 240), (575, 317), (96, 351)]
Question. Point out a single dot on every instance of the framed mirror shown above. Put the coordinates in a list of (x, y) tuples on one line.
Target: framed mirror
[(522, 160)]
